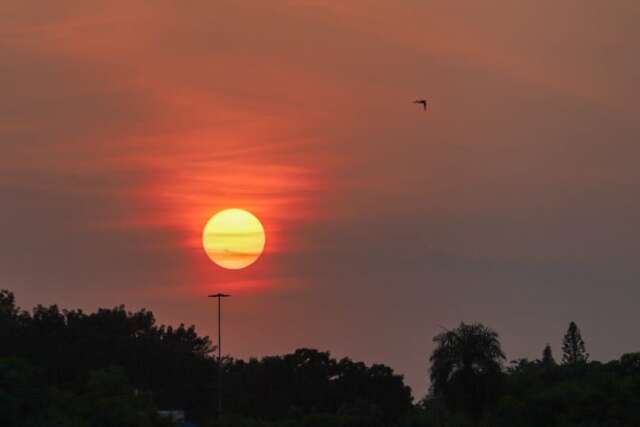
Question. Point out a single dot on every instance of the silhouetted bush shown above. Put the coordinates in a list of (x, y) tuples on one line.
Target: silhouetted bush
[(174, 368), (61, 368)]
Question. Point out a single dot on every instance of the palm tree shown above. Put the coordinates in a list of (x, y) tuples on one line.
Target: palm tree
[(465, 367)]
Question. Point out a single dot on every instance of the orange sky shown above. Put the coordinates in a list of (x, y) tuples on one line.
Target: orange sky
[(126, 125)]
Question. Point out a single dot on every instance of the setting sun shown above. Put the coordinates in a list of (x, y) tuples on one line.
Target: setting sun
[(233, 238)]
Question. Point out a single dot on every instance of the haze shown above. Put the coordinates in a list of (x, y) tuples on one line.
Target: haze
[(125, 125)]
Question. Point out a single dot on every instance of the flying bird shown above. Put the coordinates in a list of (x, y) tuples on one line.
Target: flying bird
[(423, 102)]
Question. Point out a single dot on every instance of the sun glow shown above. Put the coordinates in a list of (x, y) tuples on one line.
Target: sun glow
[(233, 239)]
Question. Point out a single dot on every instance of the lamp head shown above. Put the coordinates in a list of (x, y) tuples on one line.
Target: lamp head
[(219, 296)]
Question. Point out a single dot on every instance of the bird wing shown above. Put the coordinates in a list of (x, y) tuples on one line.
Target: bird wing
[(421, 101)]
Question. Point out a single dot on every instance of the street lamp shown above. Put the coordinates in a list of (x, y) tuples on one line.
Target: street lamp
[(219, 296)]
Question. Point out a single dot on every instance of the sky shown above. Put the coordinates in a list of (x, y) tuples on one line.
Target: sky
[(125, 125)]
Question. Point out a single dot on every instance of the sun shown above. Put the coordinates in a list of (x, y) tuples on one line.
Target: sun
[(233, 238)]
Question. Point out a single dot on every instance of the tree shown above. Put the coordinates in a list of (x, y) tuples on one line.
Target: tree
[(465, 367), (23, 395), (630, 363), (308, 382), (547, 357), (8, 322), (573, 348), (107, 399)]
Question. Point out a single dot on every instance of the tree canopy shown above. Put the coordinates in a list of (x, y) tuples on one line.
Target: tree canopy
[(465, 367), (573, 348), (175, 369), (112, 367)]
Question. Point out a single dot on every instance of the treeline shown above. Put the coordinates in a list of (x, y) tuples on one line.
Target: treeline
[(470, 386), (117, 368), (67, 368)]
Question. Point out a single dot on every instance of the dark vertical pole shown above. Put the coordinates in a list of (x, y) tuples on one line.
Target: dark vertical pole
[(219, 359)]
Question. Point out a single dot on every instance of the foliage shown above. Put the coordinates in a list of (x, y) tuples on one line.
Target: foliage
[(547, 357), (594, 394), (103, 399), (311, 420), (173, 368), (543, 393), (573, 347), (61, 368), (310, 382), (465, 368)]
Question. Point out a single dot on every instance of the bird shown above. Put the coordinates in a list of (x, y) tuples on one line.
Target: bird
[(423, 102)]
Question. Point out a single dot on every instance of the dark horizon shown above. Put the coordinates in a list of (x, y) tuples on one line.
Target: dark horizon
[(117, 368), (508, 362), (418, 395)]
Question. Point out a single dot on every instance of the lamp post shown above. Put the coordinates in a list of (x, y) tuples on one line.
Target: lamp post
[(219, 296)]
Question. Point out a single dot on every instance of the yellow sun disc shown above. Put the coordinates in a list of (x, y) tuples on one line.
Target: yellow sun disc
[(233, 238)]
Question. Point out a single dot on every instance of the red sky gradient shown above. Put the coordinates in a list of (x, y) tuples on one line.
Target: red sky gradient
[(125, 125)]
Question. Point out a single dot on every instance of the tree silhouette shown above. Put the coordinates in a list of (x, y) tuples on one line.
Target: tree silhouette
[(547, 357), (83, 361), (67, 368), (573, 349), (630, 363), (310, 382), (465, 367)]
